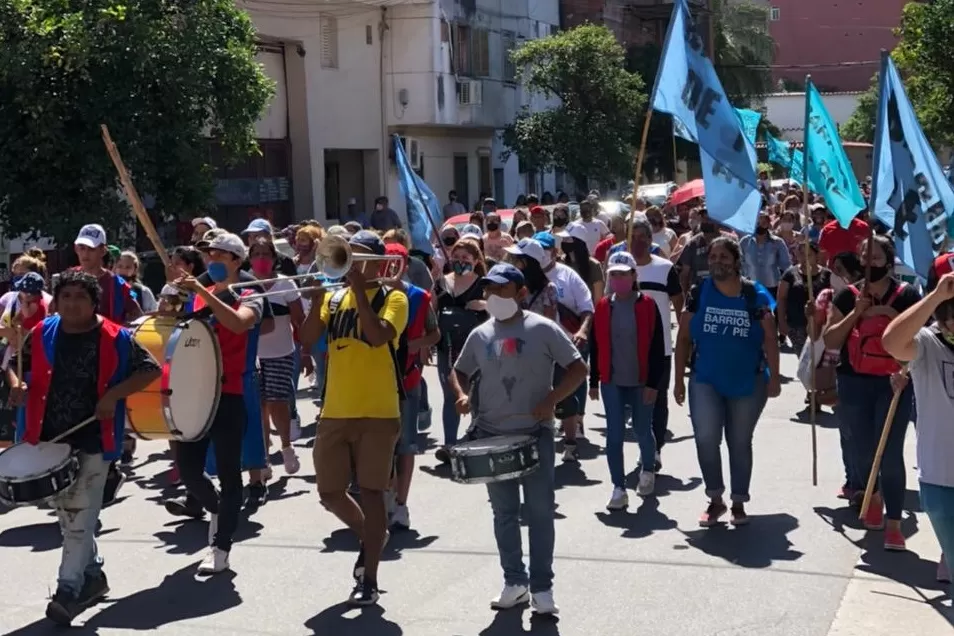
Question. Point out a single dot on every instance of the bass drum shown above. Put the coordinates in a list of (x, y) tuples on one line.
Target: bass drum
[(181, 403)]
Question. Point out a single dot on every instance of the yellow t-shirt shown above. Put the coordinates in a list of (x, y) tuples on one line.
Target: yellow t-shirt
[(361, 380)]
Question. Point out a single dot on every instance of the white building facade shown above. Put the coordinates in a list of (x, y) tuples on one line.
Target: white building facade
[(349, 75)]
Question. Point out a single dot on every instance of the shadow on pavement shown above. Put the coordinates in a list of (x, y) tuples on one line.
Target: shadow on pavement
[(823, 419), (180, 596), (40, 537), (571, 474), (666, 484), (757, 545), (645, 520), (368, 621), (510, 623), (189, 536), (343, 540)]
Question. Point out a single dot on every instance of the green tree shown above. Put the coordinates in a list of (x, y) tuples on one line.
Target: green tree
[(594, 131), (162, 74), (924, 56), (744, 49)]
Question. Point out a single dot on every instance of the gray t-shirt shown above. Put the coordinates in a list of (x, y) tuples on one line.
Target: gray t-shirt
[(625, 364), (417, 274), (515, 361), (932, 373)]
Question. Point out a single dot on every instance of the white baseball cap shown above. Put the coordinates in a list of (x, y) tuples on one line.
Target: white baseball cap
[(573, 230), (92, 235), (527, 247), (621, 262), (226, 242), (205, 220)]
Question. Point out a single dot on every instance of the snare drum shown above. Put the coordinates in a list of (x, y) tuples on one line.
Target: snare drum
[(493, 459), (33, 474), (181, 403)]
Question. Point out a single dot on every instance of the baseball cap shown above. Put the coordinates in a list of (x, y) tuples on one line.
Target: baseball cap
[(369, 241), (537, 209), (208, 236), (471, 231), (573, 230), (225, 242), (504, 273), (545, 239), (257, 226), (92, 235), (114, 251), (395, 249), (621, 262), (339, 230), (29, 283), (205, 220), (527, 247)]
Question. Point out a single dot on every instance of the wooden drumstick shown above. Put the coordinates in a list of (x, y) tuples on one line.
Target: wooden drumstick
[(19, 353), (61, 436), (138, 208)]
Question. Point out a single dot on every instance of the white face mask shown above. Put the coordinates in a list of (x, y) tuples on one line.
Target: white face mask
[(837, 283), (502, 308)]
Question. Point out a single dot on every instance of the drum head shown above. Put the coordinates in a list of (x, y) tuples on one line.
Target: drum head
[(499, 442), (26, 460), (194, 366)]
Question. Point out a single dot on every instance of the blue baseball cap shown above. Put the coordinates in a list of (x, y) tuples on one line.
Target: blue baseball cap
[(257, 226), (545, 239), (504, 273), (369, 241)]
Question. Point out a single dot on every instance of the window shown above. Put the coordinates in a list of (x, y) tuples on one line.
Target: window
[(461, 62), (480, 53), (329, 41), (509, 43), (775, 14), (485, 174)]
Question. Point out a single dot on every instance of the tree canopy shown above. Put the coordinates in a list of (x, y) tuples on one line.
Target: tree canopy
[(925, 59), (163, 75), (594, 130), (744, 50)]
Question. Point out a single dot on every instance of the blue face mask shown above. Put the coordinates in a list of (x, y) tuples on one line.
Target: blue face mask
[(217, 271)]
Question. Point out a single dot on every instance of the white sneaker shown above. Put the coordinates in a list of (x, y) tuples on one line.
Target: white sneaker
[(216, 560), (543, 603), (647, 483), (290, 460), (213, 527), (294, 431), (401, 517), (511, 596), (570, 454), (619, 500)]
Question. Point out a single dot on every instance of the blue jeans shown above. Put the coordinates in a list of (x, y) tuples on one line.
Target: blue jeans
[(615, 400), (540, 504), (77, 510), (449, 414), (938, 503), (410, 409), (863, 402), (711, 414)]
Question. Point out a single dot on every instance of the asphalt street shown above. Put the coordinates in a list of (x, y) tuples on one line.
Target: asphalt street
[(799, 569)]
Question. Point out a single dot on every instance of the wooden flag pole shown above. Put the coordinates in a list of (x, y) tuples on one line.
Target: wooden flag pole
[(813, 395), (138, 208), (639, 169)]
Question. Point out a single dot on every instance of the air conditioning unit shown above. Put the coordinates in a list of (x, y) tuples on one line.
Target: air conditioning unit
[(469, 92)]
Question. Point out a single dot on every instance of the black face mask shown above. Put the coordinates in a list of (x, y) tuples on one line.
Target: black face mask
[(761, 231), (559, 221), (878, 273), (449, 240), (493, 227), (707, 228)]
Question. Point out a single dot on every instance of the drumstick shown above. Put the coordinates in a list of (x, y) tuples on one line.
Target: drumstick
[(138, 208), (60, 437), (19, 354)]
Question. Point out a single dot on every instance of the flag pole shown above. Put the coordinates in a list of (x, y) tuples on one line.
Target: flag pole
[(812, 394), (639, 169), (675, 157)]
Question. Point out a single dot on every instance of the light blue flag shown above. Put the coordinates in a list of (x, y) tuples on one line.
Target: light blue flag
[(779, 151), (796, 171), (688, 88), (829, 171), (909, 192), (750, 123), (422, 205)]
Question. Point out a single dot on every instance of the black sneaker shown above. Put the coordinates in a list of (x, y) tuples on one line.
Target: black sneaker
[(95, 588), (257, 495), (364, 593), (63, 608), (442, 455), (184, 507), (357, 572), (114, 481)]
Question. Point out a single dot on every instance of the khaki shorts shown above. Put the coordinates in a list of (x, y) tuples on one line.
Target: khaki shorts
[(365, 444)]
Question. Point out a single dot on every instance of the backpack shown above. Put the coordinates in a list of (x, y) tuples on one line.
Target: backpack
[(376, 304), (866, 354)]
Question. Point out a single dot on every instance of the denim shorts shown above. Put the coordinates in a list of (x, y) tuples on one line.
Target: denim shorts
[(410, 409)]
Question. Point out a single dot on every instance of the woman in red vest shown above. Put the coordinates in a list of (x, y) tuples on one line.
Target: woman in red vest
[(630, 353), (79, 364)]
